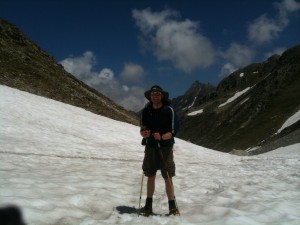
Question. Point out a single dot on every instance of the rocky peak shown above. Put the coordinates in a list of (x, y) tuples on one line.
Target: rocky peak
[(25, 66), (248, 107)]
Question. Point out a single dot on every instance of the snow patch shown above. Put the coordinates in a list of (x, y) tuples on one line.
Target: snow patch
[(195, 112), (191, 104), (290, 121), (236, 95)]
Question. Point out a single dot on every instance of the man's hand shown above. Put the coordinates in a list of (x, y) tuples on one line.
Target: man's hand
[(157, 136), (167, 136)]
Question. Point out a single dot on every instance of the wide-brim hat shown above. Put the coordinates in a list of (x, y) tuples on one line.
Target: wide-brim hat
[(158, 89)]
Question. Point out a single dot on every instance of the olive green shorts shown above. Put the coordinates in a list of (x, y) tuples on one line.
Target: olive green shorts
[(159, 159)]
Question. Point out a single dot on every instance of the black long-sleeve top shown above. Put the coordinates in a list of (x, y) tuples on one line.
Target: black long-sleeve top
[(160, 120)]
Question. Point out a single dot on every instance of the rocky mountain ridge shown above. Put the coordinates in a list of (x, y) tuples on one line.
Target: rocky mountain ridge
[(247, 108), (25, 66)]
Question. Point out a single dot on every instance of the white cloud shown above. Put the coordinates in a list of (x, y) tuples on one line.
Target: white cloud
[(132, 73), (239, 55), (287, 6), (265, 29), (149, 21), (130, 97), (125, 88), (277, 51), (134, 98), (105, 77), (226, 70), (170, 39), (80, 66), (236, 56)]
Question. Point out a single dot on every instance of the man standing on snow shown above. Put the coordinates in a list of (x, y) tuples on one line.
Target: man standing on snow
[(158, 123)]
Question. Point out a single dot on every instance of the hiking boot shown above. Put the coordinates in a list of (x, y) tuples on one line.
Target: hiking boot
[(173, 210), (147, 209)]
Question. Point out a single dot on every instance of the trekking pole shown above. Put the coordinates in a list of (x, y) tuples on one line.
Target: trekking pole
[(169, 179), (141, 193)]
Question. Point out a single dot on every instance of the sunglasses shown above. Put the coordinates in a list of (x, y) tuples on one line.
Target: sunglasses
[(156, 93)]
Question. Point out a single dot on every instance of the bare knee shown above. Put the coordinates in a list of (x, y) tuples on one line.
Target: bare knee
[(152, 178)]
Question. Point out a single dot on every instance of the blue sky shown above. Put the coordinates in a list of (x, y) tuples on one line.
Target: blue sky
[(123, 47)]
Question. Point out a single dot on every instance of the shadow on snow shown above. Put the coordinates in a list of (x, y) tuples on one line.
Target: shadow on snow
[(127, 209)]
